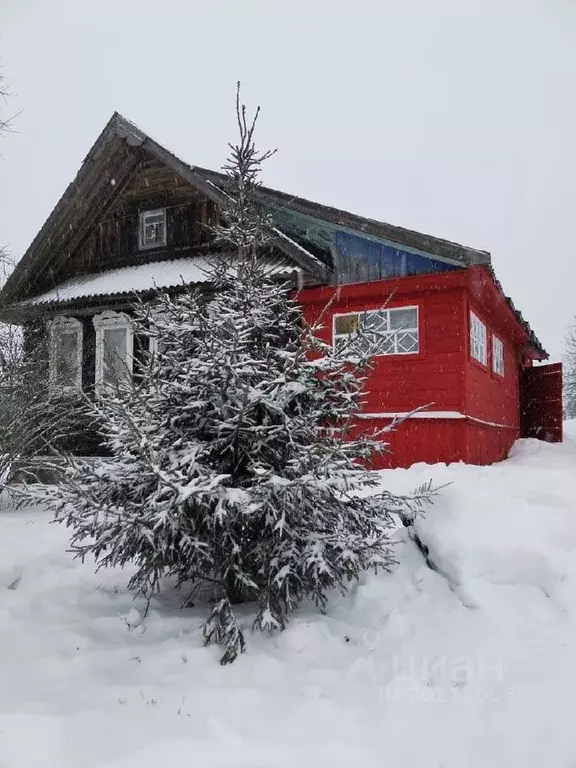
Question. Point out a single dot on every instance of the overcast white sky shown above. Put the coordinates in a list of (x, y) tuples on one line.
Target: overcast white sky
[(454, 117)]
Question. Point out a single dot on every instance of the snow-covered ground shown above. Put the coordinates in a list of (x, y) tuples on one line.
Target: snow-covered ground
[(470, 665)]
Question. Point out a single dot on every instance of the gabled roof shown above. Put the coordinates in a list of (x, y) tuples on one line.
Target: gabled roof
[(110, 163), (107, 153)]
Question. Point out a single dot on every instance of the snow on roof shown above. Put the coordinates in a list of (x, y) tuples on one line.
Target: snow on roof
[(139, 279)]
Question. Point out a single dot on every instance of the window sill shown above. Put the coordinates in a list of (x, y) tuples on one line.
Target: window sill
[(395, 356), (398, 356), (152, 246)]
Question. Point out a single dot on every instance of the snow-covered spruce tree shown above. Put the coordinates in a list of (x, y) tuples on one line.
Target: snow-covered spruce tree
[(231, 461), (570, 373)]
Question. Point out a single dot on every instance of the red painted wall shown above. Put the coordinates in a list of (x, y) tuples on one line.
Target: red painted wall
[(421, 440), (490, 397), (442, 374), (400, 383), (485, 444)]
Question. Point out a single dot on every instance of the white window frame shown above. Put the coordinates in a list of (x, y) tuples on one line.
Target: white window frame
[(110, 321), (142, 244), (55, 328), (154, 343), (478, 340), (498, 366), (387, 311)]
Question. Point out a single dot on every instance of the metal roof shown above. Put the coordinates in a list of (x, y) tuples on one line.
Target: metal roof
[(141, 278)]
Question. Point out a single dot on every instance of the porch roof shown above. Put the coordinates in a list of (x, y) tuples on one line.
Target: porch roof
[(138, 279)]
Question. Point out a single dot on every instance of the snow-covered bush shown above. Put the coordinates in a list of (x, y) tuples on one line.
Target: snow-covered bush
[(232, 467)]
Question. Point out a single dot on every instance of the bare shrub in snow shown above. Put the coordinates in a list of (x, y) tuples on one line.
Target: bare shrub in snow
[(232, 464), (31, 421)]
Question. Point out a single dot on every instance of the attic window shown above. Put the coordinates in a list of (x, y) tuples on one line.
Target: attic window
[(152, 230), (378, 332)]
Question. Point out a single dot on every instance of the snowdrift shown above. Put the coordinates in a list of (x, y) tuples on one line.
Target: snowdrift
[(466, 657)]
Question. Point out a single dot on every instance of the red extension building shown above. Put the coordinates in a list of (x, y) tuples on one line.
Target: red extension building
[(470, 363)]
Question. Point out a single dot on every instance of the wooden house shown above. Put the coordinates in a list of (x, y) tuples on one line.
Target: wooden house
[(137, 219)]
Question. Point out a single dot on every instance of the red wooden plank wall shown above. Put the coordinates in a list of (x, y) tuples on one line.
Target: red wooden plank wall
[(442, 374), (420, 440), (488, 396), (401, 383)]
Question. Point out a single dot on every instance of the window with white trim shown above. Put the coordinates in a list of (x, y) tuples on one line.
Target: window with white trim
[(378, 332), (114, 348), (478, 343), (497, 355), (152, 229), (160, 317), (65, 355)]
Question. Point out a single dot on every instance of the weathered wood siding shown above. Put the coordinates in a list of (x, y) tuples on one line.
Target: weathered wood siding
[(359, 259), (113, 240), (83, 438)]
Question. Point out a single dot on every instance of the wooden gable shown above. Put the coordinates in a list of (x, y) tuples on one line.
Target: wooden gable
[(113, 240), (94, 226)]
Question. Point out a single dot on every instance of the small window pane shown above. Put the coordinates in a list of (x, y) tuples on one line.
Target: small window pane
[(364, 346), (383, 344), (344, 324), (114, 357), (407, 342), (340, 343), (152, 229), (375, 321), (403, 318)]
